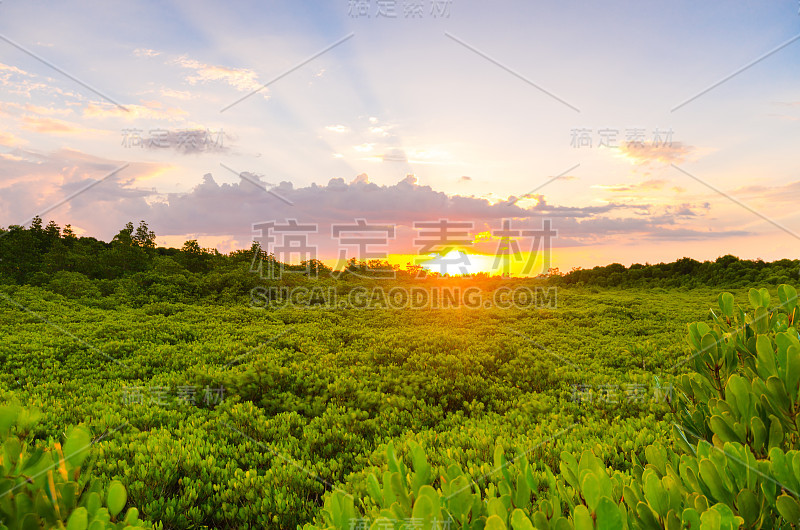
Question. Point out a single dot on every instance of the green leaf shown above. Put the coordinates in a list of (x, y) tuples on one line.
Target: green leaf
[(93, 503), (116, 498), (388, 488), (519, 521), (131, 516), (30, 462), (681, 441), (792, 375), (494, 523), (759, 433), (726, 304), (761, 319), (775, 432), (690, 518), (709, 344), (374, 490), (423, 510), (498, 455), (711, 478), (8, 416), (646, 514), (657, 457), (568, 469), (654, 493), (394, 465), (12, 450), (788, 508), (582, 518), (755, 298), (562, 523), (460, 498), (788, 297), (748, 506), (608, 515), (44, 508), (422, 470), (766, 357), (778, 395), (671, 521), (342, 509), (79, 520), (725, 432), (496, 507), (764, 293), (590, 488), (30, 522), (540, 521), (77, 446), (720, 516), (399, 489)]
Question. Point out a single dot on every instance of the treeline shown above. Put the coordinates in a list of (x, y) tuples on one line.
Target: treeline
[(726, 271), (131, 266)]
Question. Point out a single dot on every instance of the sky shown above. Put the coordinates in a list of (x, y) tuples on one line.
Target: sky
[(640, 131)]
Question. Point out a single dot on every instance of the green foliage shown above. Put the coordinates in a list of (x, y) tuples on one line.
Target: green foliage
[(312, 397), (73, 285), (726, 271), (46, 487), (734, 461), (31, 256), (335, 418)]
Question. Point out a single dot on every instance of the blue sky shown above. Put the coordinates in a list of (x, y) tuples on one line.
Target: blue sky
[(412, 96)]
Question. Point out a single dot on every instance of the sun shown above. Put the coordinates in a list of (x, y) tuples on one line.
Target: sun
[(459, 262)]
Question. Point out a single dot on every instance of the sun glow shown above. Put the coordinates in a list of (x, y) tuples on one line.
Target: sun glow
[(459, 262)]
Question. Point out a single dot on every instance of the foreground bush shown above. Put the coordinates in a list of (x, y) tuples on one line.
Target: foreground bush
[(733, 461), (46, 489)]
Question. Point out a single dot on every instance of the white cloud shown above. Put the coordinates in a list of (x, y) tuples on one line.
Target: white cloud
[(145, 52), (242, 79)]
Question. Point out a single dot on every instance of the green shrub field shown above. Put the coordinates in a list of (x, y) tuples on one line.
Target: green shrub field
[(226, 416), (130, 402)]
